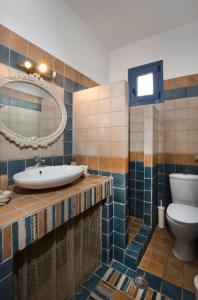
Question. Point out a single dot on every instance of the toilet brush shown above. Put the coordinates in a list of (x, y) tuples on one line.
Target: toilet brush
[(161, 215)]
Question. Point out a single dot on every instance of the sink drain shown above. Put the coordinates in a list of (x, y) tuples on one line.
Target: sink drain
[(141, 282)]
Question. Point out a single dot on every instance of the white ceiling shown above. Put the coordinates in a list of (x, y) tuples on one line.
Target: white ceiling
[(120, 22)]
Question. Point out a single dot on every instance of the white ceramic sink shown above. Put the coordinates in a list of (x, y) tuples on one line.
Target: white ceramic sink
[(47, 177)]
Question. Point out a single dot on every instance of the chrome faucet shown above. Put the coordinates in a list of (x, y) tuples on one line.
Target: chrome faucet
[(40, 162)]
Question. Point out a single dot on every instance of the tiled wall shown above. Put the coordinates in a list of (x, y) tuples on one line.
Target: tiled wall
[(101, 142), (13, 50), (163, 140)]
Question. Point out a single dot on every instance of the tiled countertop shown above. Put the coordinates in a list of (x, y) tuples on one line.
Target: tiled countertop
[(32, 214)]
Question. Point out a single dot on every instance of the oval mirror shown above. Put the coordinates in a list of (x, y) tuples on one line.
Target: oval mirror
[(31, 114)]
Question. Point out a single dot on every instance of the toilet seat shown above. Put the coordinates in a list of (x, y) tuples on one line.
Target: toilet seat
[(183, 214)]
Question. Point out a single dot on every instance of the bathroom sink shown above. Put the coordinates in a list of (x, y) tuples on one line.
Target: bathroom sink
[(47, 177)]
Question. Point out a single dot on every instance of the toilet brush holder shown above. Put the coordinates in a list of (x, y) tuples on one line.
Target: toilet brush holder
[(161, 216)]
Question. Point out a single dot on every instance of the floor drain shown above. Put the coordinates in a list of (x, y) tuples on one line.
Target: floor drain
[(141, 282)]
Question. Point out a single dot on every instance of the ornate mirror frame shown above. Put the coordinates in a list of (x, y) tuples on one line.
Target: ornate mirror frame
[(33, 142)]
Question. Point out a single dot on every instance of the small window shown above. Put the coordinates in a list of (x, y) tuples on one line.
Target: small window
[(146, 84)]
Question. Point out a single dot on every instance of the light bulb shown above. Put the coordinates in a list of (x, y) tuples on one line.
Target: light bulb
[(42, 68), (27, 64)]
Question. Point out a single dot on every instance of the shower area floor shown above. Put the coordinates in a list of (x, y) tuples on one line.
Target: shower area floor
[(134, 226)]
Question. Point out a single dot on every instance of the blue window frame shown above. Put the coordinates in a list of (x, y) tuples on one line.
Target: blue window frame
[(146, 84)]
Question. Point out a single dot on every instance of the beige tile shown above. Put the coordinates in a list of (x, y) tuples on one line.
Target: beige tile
[(105, 149), (105, 105), (119, 134), (105, 120), (119, 104), (104, 91), (104, 134), (119, 119)]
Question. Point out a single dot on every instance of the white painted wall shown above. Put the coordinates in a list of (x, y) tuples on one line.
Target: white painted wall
[(178, 48), (51, 25)]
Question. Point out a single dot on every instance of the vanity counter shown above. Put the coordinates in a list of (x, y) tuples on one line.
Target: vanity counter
[(32, 214)]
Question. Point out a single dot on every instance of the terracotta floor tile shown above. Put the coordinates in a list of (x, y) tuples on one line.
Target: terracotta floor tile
[(144, 263), (189, 285), (156, 268), (173, 276), (175, 264), (159, 258)]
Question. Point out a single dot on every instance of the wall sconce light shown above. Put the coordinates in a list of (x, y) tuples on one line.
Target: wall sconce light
[(40, 69)]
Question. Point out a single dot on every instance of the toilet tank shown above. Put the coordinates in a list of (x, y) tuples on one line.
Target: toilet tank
[(184, 189)]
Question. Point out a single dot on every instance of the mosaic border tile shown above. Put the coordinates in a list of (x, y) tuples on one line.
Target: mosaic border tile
[(23, 232)]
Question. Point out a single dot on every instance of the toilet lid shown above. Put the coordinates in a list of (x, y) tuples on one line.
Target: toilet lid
[(183, 213)]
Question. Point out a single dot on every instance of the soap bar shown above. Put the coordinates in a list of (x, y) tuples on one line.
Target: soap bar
[(4, 182)]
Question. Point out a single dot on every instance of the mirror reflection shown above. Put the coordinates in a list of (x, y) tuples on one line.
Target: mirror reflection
[(28, 110)]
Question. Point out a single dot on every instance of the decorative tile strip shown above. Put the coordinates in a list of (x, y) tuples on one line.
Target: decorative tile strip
[(25, 231)]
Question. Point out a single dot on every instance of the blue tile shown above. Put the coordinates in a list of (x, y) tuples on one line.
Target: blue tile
[(104, 173), (59, 80), (171, 290), (140, 239), (169, 94), (69, 123), (69, 110), (118, 254), (67, 148), (105, 256), (119, 267), (147, 219), (119, 195), (130, 262), (16, 58), (91, 283), (6, 268), (28, 231), (153, 281), (7, 288), (119, 180), (132, 165), (135, 247), (131, 273), (181, 93), (15, 166), (68, 85), (132, 253), (145, 231), (82, 296), (102, 270), (3, 167), (193, 91), (48, 161), (119, 240), (147, 207), (187, 295), (68, 97), (119, 211), (15, 240), (57, 160), (139, 165), (147, 171), (4, 54), (67, 159), (119, 225)]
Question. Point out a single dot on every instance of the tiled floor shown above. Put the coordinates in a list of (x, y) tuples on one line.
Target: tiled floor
[(116, 282), (159, 260), (134, 227)]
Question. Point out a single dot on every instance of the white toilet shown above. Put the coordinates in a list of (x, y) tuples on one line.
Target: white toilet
[(182, 214)]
